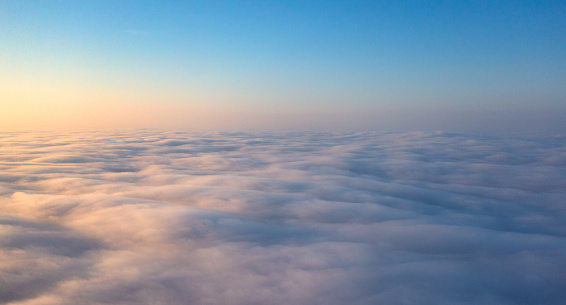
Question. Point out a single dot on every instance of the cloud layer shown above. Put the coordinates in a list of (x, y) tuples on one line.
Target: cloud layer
[(156, 217)]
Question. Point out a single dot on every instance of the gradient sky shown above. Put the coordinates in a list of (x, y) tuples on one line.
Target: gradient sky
[(472, 66)]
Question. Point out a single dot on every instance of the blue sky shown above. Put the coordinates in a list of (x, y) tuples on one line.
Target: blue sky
[(243, 60)]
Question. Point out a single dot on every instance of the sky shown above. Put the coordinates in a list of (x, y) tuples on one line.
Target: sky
[(457, 66)]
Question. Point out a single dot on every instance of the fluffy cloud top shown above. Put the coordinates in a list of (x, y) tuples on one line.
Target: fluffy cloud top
[(154, 217)]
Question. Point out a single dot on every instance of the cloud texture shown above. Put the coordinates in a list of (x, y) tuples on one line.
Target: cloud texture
[(155, 217)]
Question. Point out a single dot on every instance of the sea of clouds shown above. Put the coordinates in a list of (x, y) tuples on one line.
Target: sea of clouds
[(162, 217)]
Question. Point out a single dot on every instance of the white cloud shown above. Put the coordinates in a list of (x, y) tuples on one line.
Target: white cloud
[(149, 217)]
